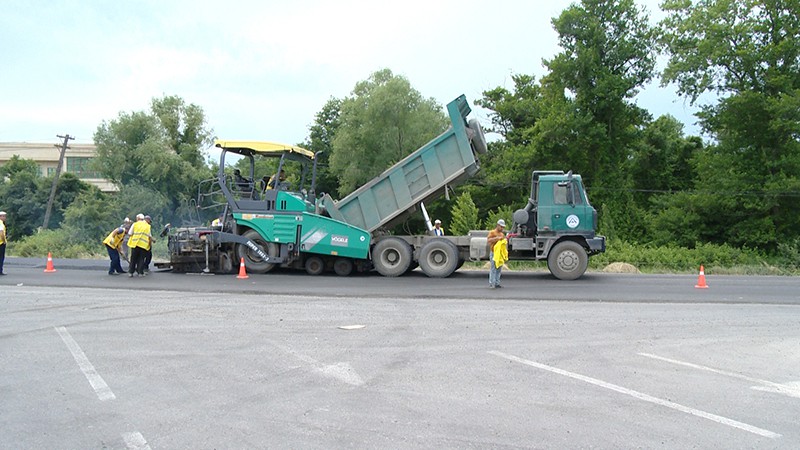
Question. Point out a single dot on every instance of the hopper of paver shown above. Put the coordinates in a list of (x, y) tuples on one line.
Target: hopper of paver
[(422, 176)]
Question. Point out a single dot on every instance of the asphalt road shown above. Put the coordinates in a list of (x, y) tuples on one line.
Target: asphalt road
[(464, 284), (287, 360)]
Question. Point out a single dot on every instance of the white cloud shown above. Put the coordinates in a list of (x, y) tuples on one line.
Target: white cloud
[(259, 69)]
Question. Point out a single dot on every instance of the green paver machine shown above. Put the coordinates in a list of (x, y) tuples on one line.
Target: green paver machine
[(289, 226)]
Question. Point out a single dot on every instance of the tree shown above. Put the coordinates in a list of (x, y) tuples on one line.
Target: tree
[(383, 121), (91, 216), (661, 162), (25, 195), (160, 150), (185, 128), (465, 215), (320, 141), (581, 115), (16, 166), (507, 167), (608, 55), (747, 53)]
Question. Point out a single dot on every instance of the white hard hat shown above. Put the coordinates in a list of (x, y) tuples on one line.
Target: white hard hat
[(2, 213), (501, 222), (437, 221), (140, 216)]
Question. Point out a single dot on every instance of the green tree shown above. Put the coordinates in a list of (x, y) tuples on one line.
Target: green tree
[(185, 127), (608, 55), (160, 150), (581, 115), (748, 54), (505, 212), (16, 166), (383, 121), (320, 141), (661, 162), (507, 167), (465, 215), (18, 189), (25, 195), (91, 216)]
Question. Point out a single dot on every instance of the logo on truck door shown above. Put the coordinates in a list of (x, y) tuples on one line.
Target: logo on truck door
[(338, 240), (573, 221)]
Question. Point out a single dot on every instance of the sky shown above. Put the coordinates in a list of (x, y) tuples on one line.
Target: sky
[(262, 69)]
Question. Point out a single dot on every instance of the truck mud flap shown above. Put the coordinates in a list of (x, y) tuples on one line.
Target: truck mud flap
[(596, 245)]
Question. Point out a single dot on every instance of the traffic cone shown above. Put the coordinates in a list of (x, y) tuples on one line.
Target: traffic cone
[(242, 273), (701, 280), (49, 267)]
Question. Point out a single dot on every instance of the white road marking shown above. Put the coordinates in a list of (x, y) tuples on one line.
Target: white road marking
[(98, 384), (135, 441), (790, 389), (340, 371), (642, 396)]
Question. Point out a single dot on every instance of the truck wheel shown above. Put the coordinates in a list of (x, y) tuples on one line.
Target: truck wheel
[(314, 265), (391, 257), (438, 258), (477, 138), (343, 267), (252, 262), (567, 260)]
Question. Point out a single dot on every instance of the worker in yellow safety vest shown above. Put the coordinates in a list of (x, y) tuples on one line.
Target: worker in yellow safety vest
[(113, 243), (3, 240), (139, 243)]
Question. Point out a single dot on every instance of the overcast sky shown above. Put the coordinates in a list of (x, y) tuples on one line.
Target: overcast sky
[(261, 69)]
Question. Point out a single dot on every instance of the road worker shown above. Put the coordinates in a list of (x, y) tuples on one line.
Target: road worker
[(113, 243), (139, 243)]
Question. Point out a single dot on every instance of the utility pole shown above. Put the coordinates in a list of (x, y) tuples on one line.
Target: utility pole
[(64, 148)]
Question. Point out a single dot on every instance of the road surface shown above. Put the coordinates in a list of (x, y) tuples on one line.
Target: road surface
[(287, 360)]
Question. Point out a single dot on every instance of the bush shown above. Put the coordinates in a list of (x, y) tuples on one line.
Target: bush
[(679, 259), (61, 243), (465, 215), (789, 253)]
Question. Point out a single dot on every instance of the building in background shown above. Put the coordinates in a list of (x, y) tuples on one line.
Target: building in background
[(76, 160)]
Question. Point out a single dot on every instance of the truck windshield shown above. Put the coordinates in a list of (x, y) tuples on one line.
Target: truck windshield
[(561, 194)]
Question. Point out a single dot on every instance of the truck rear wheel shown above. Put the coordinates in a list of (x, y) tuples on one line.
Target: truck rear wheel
[(343, 267), (438, 258), (391, 257), (252, 262), (314, 265), (567, 260)]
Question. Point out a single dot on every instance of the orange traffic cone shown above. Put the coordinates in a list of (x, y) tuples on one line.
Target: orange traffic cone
[(701, 280), (242, 272), (49, 267)]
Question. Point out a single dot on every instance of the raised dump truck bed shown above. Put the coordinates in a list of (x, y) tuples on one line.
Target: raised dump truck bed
[(389, 198)]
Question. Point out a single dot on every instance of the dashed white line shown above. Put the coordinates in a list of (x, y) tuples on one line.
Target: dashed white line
[(642, 396), (95, 380), (792, 390), (135, 441)]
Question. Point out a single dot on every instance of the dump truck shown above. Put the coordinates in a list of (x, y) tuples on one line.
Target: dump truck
[(273, 223)]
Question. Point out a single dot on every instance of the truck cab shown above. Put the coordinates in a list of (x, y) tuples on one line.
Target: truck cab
[(557, 224)]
